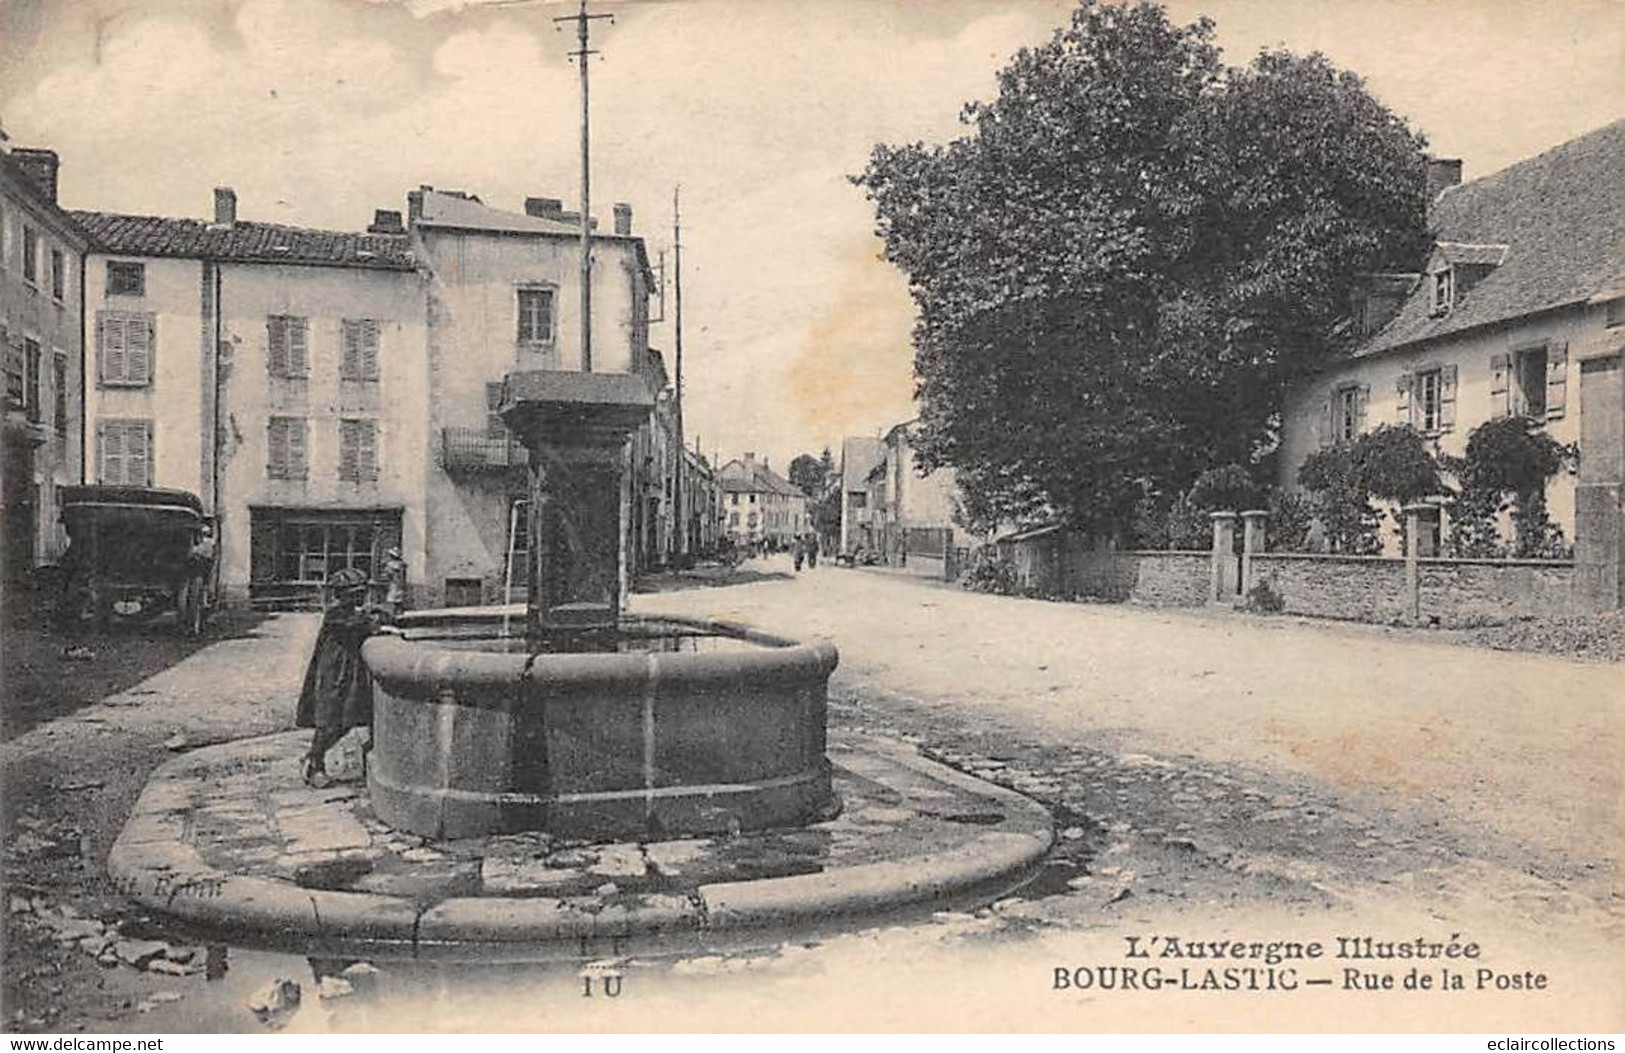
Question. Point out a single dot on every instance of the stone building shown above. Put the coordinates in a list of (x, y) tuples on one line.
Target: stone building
[(759, 505), (503, 292), (863, 462), (915, 512), (274, 371), (1518, 309), (41, 266)]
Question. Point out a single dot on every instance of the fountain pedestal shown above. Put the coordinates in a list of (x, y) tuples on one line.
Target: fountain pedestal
[(601, 726), (575, 426)]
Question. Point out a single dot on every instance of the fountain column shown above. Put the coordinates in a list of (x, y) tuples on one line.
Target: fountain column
[(575, 426)]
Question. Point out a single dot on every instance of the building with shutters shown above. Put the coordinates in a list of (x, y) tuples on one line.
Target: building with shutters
[(1518, 309), (277, 372), (760, 506), (503, 294), (41, 259)]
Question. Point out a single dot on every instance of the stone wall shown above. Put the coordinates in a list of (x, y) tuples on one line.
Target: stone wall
[(1355, 588), (1483, 591), (1161, 579), (1450, 592)]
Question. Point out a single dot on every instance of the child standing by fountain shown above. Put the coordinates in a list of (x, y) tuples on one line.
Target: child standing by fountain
[(337, 693)]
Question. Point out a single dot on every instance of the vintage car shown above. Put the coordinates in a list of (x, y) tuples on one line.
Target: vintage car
[(136, 553)]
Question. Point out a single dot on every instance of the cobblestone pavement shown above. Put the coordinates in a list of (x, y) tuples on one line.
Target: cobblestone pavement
[(229, 839)]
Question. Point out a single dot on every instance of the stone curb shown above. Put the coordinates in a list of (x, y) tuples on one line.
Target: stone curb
[(153, 865)]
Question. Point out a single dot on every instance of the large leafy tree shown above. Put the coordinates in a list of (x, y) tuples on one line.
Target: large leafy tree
[(819, 479), (1129, 256)]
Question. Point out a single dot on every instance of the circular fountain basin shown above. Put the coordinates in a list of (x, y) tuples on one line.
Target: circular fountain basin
[(686, 727)]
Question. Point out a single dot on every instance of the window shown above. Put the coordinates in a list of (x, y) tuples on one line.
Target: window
[(1428, 391), (16, 378), (359, 358), (32, 364), (733, 499), (59, 275), (285, 346), (30, 254), (1529, 383), (358, 450), (1348, 412), (310, 552), (1615, 313), (1443, 291), (752, 498), (733, 519), (285, 448), (857, 499), (535, 316), (124, 452), (126, 279), (302, 546), (59, 392), (495, 428), (125, 341)]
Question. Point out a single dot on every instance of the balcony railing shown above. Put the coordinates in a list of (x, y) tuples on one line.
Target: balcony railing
[(472, 450)]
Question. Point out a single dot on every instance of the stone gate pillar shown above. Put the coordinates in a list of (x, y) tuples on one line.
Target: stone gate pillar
[(1222, 588), (1599, 494), (1252, 543), (1421, 542)]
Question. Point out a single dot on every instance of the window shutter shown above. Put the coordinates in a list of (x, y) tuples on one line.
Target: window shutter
[(1362, 400), (369, 349), (113, 358), (348, 442), (276, 448), (296, 449), (1557, 379), (494, 427), (1500, 389), (138, 340), (368, 453), (138, 453), (1447, 398), (109, 453), (298, 364), (276, 346), (1402, 414), (350, 353)]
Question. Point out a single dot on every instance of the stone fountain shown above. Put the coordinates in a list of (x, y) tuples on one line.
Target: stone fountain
[(592, 724)]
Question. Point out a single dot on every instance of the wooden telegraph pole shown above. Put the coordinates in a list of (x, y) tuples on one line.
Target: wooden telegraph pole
[(683, 545)]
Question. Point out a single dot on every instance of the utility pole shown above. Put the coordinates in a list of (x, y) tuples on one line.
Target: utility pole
[(677, 483), (583, 22)]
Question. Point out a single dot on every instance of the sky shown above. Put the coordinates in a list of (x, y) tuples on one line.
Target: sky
[(796, 332)]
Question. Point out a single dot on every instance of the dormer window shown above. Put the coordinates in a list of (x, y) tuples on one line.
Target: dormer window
[(1444, 290)]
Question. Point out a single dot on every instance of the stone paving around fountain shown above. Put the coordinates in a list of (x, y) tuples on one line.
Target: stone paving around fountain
[(228, 840)]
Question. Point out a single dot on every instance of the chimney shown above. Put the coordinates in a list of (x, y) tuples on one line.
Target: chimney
[(623, 218), (414, 202), (386, 221), (544, 207), (40, 166), (225, 206), (1443, 173)]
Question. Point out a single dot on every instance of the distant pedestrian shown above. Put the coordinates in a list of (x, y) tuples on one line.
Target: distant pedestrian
[(799, 553), (812, 550), (395, 582), (337, 692)]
